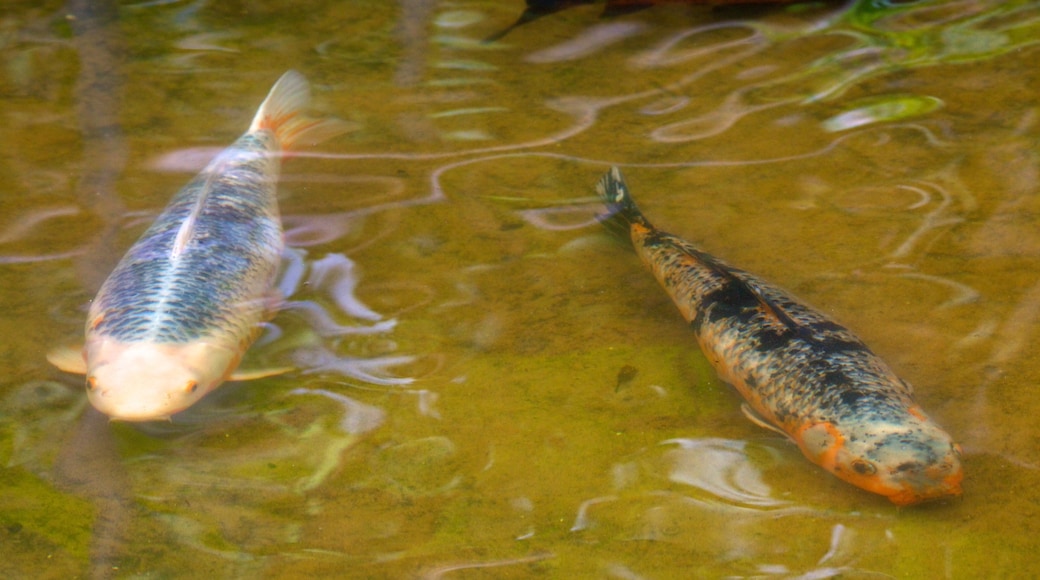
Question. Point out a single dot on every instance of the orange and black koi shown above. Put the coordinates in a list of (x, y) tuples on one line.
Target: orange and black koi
[(801, 373)]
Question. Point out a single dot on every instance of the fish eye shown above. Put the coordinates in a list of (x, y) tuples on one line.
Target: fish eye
[(864, 467), (191, 387), (91, 383)]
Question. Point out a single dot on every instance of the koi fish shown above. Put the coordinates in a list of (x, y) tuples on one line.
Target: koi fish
[(800, 373), (172, 321), (539, 8)]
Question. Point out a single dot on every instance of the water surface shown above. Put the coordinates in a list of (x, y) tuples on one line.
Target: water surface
[(489, 386)]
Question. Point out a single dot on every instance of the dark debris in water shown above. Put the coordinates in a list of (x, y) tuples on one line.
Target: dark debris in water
[(538, 8), (625, 376)]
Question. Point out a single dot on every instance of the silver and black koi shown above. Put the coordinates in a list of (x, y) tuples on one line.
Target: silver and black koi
[(174, 318)]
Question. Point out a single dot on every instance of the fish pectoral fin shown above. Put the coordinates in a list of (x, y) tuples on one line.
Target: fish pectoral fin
[(68, 359), (758, 420), (273, 301), (253, 374)]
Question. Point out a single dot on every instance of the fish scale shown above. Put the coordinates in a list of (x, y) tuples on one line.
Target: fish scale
[(802, 373), (232, 257)]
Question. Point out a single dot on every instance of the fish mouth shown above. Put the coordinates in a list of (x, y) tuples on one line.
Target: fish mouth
[(116, 412), (140, 417), (911, 495)]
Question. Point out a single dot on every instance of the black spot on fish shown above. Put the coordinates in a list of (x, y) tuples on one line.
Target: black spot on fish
[(731, 299), (835, 378), (657, 238), (714, 312), (771, 338), (836, 344), (850, 397)]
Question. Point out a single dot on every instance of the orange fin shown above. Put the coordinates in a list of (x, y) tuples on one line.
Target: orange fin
[(282, 113), (758, 420), (68, 359), (253, 374)]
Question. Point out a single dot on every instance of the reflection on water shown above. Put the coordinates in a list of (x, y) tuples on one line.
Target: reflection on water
[(485, 384), (725, 508), (720, 468)]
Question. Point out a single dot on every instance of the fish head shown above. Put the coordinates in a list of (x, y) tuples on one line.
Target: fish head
[(145, 381), (909, 461)]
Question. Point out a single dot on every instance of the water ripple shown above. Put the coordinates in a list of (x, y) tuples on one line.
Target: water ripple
[(589, 41), (721, 468)]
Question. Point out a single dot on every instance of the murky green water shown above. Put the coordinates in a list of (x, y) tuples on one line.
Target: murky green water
[(489, 386)]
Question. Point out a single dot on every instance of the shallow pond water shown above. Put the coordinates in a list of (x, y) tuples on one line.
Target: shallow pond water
[(488, 385)]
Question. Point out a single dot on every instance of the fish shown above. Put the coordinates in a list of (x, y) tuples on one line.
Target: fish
[(174, 318), (800, 373), (539, 8)]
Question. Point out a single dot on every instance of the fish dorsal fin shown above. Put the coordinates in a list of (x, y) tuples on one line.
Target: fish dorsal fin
[(765, 304), (68, 359), (187, 230), (184, 234), (769, 308), (758, 420)]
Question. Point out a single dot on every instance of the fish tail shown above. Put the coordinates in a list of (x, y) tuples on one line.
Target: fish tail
[(281, 113), (622, 211)]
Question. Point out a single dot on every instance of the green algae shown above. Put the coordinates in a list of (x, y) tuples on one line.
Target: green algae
[(882, 109), (44, 526)]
